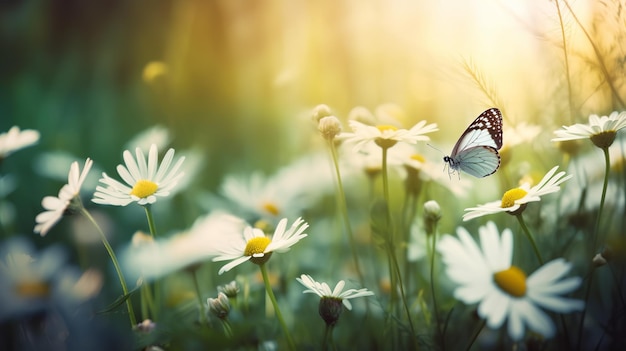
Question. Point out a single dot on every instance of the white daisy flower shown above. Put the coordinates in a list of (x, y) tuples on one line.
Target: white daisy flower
[(32, 281), (330, 306), (15, 139), (145, 181), (56, 207), (386, 135), (600, 130), (323, 290), (514, 201), (252, 244), (369, 160), (503, 292), (287, 193)]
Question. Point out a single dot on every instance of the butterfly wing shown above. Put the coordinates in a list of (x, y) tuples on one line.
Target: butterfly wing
[(479, 161), (486, 130), (476, 151)]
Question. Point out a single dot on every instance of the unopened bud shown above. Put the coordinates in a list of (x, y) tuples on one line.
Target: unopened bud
[(432, 215), (230, 290), (219, 306), (319, 112), (329, 126), (598, 260)]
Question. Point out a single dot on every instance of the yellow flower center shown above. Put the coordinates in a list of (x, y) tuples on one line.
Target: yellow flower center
[(256, 245), (271, 208), (384, 142), (33, 289), (419, 158), (512, 281), (509, 198), (385, 127), (144, 188)]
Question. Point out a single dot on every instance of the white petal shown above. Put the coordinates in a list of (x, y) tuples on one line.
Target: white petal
[(233, 264)]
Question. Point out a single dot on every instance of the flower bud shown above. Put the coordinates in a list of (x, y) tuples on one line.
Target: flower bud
[(319, 112), (230, 290), (220, 306), (432, 215), (598, 260), (146, 326), (329, 126)]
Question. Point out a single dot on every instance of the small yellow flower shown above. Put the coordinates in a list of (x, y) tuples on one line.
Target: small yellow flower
[(514, 201)]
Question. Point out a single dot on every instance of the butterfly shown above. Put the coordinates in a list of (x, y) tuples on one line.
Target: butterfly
[(476, 151)]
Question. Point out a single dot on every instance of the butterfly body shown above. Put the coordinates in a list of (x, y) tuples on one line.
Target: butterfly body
[(476, 151)]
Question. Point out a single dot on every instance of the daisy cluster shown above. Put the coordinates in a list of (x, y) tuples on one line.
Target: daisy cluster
[(419, 258)]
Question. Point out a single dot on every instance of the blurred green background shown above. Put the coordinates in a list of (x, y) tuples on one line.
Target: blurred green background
[(237, 79)]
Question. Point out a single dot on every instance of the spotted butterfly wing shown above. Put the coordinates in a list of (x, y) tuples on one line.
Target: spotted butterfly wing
[(476, 151)]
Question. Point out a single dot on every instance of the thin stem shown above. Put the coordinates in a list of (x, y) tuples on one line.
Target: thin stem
[(228, 330), (618, 285), (150, 220), (584, 312), (603, 68), (194, 277), (154, 304), (270, 294), (391, 247), (530, 237), (607, 170), (390, 242), (402, 294), (343, 208), (328, 337), (482, 325), (118, 270), (147, 303), (567, 75), (432, 286)]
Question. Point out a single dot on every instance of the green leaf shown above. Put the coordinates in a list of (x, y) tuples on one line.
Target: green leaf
[(118, 302)]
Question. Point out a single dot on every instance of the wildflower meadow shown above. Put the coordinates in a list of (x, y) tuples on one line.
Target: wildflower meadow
[(313, 175)]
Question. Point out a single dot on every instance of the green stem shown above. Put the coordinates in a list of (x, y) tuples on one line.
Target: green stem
[(343, 208), (391, 248), (328, 337), (475, 336), (530, 237), (228, 330), (432, 286), (118, 270), (194, 277), (584, 312), (150, 220), (607, 170), (156, 303), (270, 294), (147, 303)]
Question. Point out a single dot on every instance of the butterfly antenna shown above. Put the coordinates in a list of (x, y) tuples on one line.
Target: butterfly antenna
[(434, 147)]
